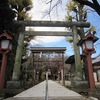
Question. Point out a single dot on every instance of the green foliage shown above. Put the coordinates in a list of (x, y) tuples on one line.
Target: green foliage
[(91, 29), (11, 10), (21, 6), (28, 38), (68, 17), (7, 15), (75, 10), (69, 40), (71, 6)]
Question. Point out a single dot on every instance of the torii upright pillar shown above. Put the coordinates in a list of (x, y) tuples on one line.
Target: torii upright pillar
[(78, 66), (18, 57)]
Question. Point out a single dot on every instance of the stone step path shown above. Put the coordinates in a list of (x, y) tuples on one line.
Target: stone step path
[(55, 92)]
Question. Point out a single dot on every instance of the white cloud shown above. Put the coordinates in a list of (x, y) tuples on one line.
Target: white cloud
[(46, 39)]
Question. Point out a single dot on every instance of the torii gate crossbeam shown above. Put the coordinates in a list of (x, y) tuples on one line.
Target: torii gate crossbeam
[(53, 23), (48, 33)]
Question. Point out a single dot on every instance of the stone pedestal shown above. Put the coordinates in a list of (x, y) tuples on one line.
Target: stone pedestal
[(98, 74), (13, 87), (13, 84), (79, 84)]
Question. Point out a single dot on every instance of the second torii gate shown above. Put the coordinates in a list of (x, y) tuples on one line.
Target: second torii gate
[(48, 51), (73, 25)]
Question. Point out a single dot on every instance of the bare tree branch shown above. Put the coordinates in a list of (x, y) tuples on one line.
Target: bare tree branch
[(52, 7), (94, 4), (85, 2)]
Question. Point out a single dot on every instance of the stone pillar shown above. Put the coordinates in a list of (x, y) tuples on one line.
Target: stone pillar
[(78, 66), (98, 74), (95, 76), (62, 75), (18, 57), (59, 76), (62, 70), (37, 76)]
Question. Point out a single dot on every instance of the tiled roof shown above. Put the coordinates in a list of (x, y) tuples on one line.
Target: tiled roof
[(96, 60)]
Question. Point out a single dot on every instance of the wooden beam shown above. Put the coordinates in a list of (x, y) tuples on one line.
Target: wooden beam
[(48, 49), (47, 60), (48, 33), (53, 23)]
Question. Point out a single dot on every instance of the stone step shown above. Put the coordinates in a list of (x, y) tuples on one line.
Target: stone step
[(50, 98)]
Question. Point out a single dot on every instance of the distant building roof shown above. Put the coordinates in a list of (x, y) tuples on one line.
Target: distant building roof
[(96, 61), (71, 59)]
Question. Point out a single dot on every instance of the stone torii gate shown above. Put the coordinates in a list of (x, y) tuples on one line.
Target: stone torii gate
[(73, 25)]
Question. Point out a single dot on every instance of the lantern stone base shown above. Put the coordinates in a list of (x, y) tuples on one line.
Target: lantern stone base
[(79, 84), (13, 91), (13, 87), (13, 84)]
